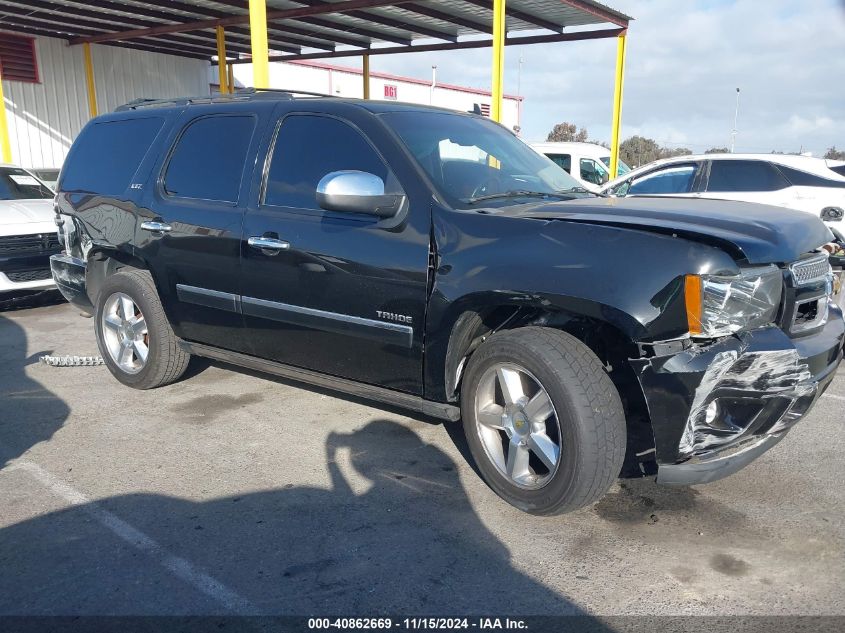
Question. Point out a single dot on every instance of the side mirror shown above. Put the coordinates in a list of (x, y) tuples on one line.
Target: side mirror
[(352, 191)]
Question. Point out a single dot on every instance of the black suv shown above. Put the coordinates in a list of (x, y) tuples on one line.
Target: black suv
[(430, 259)]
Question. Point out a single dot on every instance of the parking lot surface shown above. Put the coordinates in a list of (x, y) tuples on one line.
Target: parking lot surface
[(234, 493)]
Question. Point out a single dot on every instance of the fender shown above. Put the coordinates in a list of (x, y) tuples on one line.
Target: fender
[(629, 279)]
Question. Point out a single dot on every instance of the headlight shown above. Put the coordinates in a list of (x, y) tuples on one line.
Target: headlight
[(719, 306)]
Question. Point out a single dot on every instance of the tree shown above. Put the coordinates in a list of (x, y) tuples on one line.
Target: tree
[(639, 150), (567, 132), (718, 150), (834, 154)]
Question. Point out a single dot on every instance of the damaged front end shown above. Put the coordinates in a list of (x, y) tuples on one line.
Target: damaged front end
[(719, 400)]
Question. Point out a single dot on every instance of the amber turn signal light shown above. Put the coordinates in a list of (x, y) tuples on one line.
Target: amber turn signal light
[(692, 295)]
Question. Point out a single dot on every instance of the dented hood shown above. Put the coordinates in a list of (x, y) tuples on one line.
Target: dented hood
[(762, 234)]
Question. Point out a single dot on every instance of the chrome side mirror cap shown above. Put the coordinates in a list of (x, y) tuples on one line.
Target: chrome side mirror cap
[(352, 191)]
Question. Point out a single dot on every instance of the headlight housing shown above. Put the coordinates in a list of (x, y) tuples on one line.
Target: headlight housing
[(722, 305)]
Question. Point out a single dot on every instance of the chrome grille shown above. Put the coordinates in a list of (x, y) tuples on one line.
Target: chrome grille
[(810, 271)]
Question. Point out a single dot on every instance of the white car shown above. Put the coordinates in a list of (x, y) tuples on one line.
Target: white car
[(28, 233), (797, 182), (588, 163)]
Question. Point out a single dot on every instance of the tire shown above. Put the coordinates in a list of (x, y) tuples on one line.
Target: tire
[(165, 360), (586, 415)]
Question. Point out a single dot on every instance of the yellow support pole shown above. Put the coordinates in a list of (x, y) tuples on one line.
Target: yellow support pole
[(499, 30), (221, 60), (617, 106), (5, 144), (230, 78), (89, 79), (258, 39), (366, 76)]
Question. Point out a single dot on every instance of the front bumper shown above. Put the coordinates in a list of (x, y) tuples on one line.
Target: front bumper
[(762, 383), (69, 275)]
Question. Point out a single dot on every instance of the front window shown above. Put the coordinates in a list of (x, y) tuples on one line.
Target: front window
[(19, 184), (669, 180), (593, 171), (470, 159)]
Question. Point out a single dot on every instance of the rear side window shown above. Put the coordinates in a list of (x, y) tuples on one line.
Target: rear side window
[(106, 155), (309, 147), (209, 158), (744, 175)]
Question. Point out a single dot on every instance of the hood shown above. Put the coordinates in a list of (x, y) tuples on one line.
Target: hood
[(21, 217), (23, 211), (762, 234)]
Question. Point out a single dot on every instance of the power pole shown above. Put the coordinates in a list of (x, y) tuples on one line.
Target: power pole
[(736, 119)]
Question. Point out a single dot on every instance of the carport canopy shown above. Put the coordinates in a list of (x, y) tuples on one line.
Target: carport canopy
[(258, 31)]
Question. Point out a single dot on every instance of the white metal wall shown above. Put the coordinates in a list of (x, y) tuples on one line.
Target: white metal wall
[(44, 118), (346, 82)]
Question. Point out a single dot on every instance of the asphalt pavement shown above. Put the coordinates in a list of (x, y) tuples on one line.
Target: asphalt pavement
[(232, 492)]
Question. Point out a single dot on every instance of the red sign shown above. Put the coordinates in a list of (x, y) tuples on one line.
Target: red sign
[(390, 91)]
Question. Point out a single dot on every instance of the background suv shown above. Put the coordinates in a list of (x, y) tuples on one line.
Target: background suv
[(796, 182)]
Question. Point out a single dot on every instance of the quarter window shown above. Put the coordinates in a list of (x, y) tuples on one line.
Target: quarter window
[(675, 179), (106, 155), (744, 175), (309, 147), (209, 159)]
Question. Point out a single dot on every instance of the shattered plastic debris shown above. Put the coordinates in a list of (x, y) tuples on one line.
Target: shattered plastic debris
[(778, 373)]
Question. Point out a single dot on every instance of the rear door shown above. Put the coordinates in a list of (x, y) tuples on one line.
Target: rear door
[(190, 228), (343, 294), (750, 181)]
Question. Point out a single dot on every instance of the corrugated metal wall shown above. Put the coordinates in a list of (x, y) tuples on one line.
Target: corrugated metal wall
[(44, 118)]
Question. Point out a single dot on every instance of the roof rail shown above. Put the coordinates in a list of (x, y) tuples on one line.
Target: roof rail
[(247, 94)]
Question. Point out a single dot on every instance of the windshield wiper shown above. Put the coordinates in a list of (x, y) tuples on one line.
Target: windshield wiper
[(519, 193), (583, 190)]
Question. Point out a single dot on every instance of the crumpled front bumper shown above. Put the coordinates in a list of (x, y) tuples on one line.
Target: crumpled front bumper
[(763, 382), (69, 275)]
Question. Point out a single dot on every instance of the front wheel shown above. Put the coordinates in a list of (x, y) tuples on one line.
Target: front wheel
[(134, 336), (543, 420)]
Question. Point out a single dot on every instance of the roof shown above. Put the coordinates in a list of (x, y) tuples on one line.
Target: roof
[(569, 145), (306, 29)]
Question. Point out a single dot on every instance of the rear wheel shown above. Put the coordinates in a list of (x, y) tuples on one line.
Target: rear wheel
[(543, 420), (135, 339)]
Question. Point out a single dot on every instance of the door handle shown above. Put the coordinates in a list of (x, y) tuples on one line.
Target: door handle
[(268, 244), (156, 227)]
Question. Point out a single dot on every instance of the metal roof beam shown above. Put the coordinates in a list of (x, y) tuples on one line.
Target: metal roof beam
[(50, 20), (425, 48), (279, 14), (520, 15), (599, 12), (355, 30), (393, 23), (448, 17)]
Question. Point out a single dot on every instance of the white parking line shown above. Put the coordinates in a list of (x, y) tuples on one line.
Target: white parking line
[(833, 397), (178, 566)]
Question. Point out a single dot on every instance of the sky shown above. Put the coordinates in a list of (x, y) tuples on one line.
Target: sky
[(685, 59)]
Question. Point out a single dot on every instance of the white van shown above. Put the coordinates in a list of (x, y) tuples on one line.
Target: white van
[(586, 162)]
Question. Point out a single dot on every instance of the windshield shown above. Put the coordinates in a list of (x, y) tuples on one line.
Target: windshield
[(18, 184), (470, 159), (623, 168)]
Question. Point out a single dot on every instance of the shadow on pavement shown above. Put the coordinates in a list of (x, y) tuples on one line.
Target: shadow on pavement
[(29, 413), (402, 540)]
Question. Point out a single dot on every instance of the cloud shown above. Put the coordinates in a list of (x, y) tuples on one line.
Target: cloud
[(685, 61)]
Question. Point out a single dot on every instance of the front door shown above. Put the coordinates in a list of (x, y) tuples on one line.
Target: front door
[(340, 293)]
